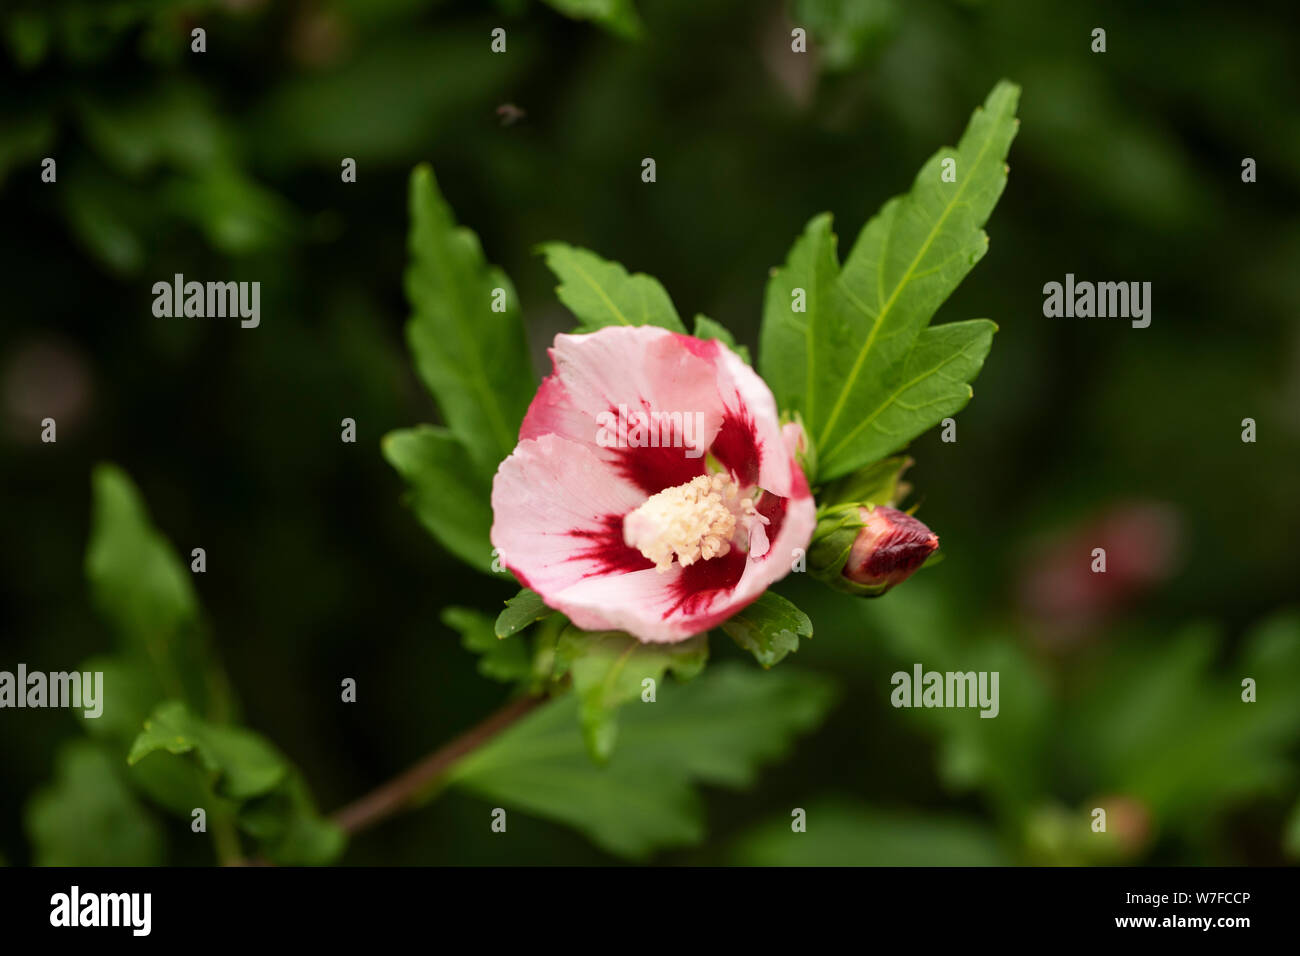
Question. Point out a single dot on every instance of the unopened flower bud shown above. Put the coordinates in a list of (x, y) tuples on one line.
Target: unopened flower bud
[(869, 552)]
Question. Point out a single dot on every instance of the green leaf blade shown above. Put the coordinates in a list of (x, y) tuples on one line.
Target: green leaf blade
[(786, 350), (905, 264), (473, 359), (88, 816), (602, 293), (449, 497), (770, 628), (720, 729), (859, 365)]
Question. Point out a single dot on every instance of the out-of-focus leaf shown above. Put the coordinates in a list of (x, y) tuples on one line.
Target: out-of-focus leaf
[(88, 816), (171, 125), (601, 293), (769, 628), (143, 590), (1291, 839), (248, 775), (502, 659), (716, 730), (130, 693), (237, 215), (325, 116), (847, 33), (616, 16), (447, 493), (27, 34), (290, 830), (1160, 727), (844, 834), (24, 138), (106, 217), (473, 359), (609, 668), (240, 763)]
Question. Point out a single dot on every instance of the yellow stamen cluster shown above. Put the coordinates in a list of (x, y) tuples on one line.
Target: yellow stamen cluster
[(691, 522)]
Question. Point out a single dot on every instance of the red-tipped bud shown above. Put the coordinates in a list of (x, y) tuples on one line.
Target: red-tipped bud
[(889, 547)]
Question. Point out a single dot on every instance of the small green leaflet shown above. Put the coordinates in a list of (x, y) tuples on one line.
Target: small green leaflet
[(718, 730), (601, 293), (473, 359), (240, 763), (859, 363), (523, 609), (769, 628)]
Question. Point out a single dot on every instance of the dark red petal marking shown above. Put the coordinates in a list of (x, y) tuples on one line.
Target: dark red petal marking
[(704, 582), (607, 549), (737, 447), (772, 507), (652, 469)]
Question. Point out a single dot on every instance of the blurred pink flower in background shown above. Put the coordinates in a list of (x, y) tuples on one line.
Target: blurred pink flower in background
[(1058, 588)]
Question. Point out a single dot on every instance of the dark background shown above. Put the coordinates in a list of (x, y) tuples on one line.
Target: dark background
[(226, 165)]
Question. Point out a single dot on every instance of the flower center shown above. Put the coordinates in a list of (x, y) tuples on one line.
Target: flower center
[(696, 521)]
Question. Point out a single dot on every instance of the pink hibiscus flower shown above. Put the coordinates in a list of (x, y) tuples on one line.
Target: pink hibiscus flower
[(653, 489)]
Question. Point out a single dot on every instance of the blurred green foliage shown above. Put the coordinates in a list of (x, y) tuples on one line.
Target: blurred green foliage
[(226, 165)]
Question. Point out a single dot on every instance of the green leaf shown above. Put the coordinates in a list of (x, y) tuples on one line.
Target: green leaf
[(501, 660), (608, 668), (289, 829), (716, 730), (848, 33), (843, 834), (769, 628), (785, 349), (857, 364), (1165, 723), (240, 762), (616, 16), (450, 497), (1291, 838), (269, 797), (601, 293), (88, 816), (706, 328), (934, 384), (474, 360), (522, 610), (144, 591)]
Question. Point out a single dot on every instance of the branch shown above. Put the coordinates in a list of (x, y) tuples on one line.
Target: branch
[(401, 792)]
